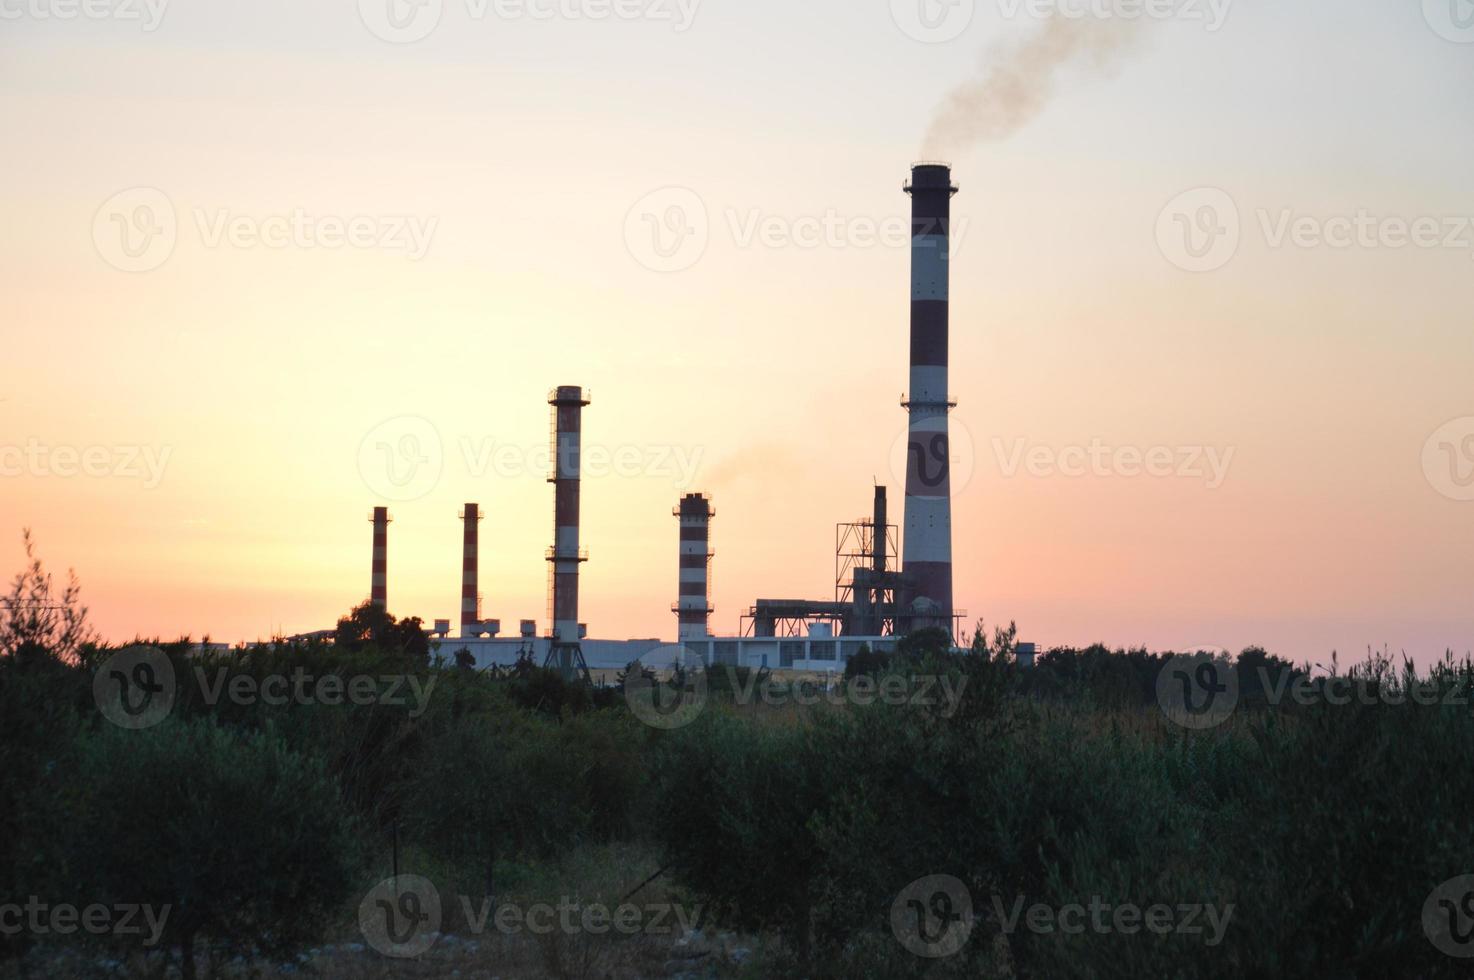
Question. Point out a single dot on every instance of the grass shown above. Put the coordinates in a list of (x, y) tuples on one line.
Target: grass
[(603, 875)]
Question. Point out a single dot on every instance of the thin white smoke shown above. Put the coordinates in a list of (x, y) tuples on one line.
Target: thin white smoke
[(1017, 81)]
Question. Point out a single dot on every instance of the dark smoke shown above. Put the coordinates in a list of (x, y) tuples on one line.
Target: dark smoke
[(1017, 81)]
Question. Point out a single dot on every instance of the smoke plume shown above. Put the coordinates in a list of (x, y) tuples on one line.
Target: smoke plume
[(1017, 81)]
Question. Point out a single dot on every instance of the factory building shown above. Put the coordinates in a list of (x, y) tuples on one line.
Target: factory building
[(874, 602)]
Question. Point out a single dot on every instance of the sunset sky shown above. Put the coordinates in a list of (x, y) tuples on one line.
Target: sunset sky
[(502, 173)]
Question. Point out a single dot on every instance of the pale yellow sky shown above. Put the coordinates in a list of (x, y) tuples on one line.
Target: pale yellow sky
[(522, 151)]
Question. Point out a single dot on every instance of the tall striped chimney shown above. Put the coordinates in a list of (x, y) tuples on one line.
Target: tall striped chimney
[(470, 571), (379, 582), (565, 555), (926, 550), (693, 610)]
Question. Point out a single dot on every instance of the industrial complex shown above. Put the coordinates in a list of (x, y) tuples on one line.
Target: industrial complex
[(880, 592)]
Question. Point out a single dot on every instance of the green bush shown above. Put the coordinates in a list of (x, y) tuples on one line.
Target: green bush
[(42, 704), (509, 783), (246, 843), (1324, 827)]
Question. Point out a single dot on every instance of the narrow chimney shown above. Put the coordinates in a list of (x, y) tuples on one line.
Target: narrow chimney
[(470, 574), (693, 608), (379, 582), (566, 555), (926, 550), (878, 520)]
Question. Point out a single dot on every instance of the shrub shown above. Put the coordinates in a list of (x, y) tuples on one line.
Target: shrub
[(246, 844)]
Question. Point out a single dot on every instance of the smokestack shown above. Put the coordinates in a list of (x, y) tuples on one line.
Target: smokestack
[(926, 552), (470, 571), (878, 543), (693, 610), (565, 555), (379, 582)]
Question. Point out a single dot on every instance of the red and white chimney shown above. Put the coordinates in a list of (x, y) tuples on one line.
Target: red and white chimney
[(566, 555), (693, 607), (470, 560), (926, 550), (379, 580)]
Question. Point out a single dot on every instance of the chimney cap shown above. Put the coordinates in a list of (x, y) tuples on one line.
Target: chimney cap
[(569, 395), (695, 505), (931, 176)]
